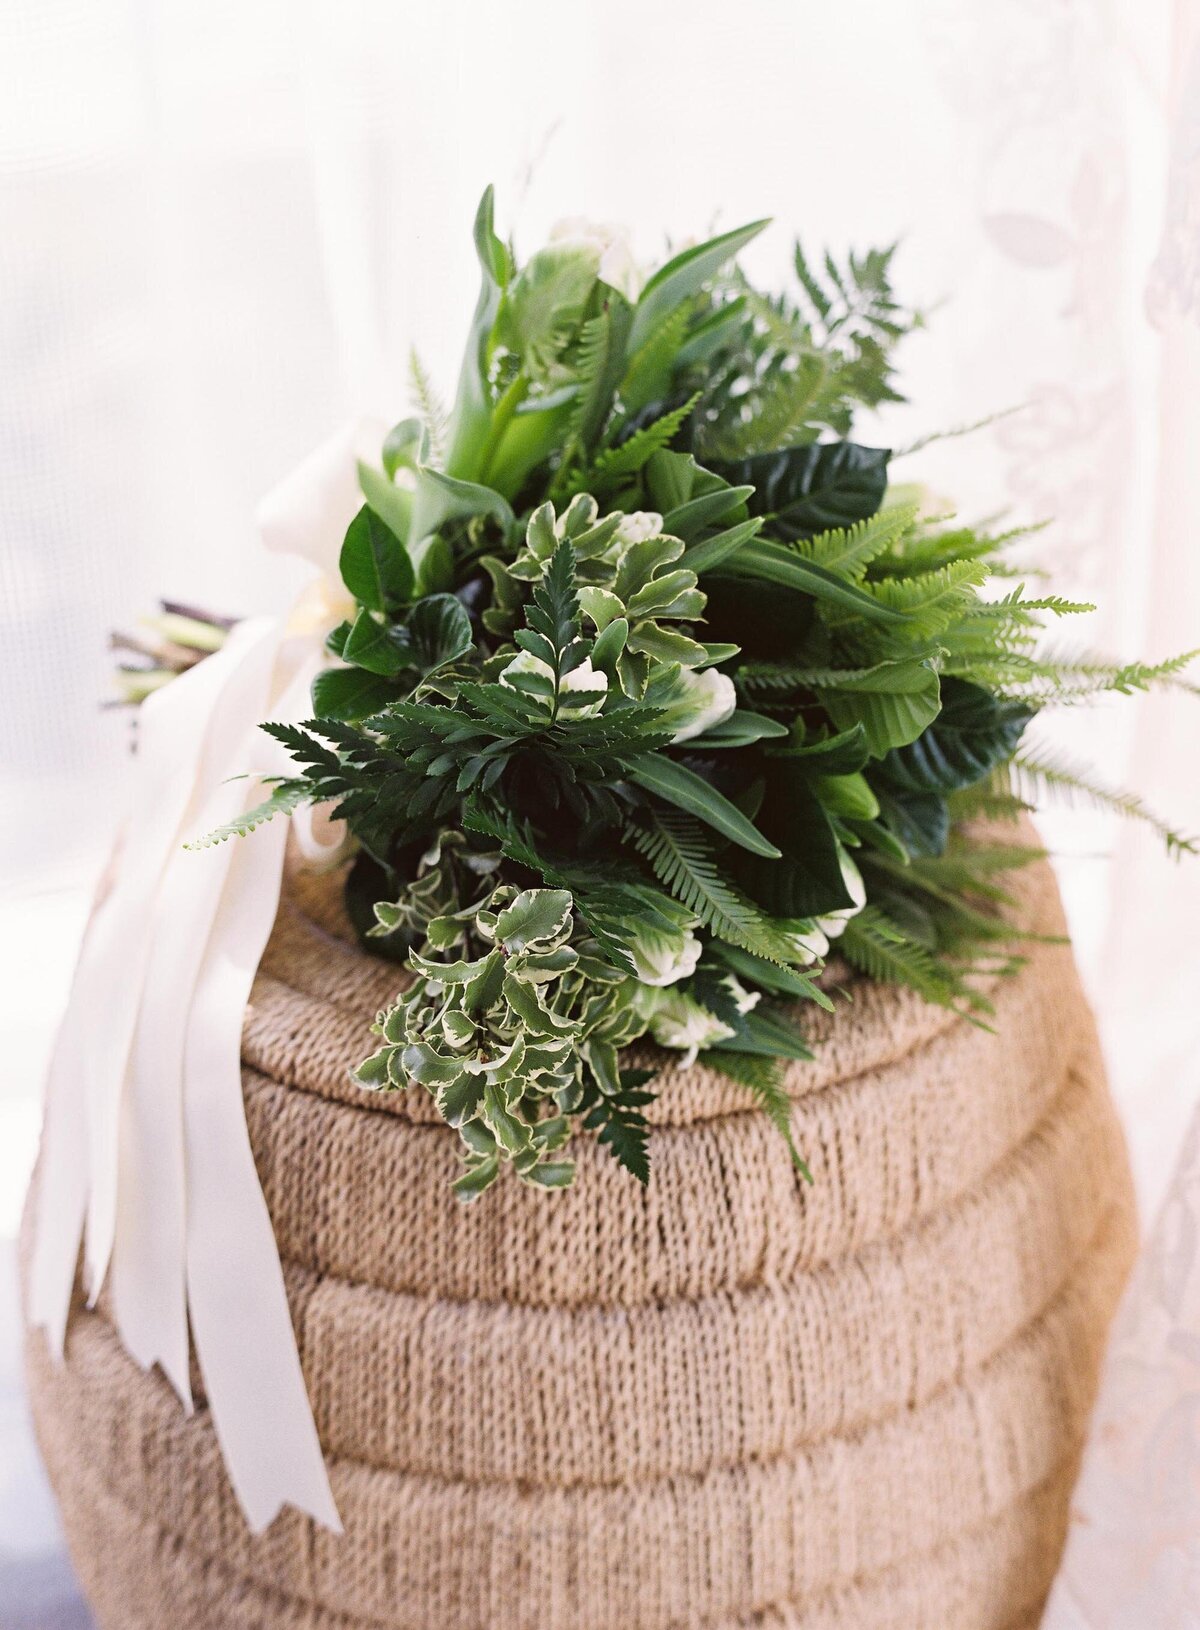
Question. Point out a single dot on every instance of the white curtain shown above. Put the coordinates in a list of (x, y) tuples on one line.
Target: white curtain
[(223, 225)]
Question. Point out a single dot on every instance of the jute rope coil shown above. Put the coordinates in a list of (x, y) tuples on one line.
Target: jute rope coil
[(729, 1399)]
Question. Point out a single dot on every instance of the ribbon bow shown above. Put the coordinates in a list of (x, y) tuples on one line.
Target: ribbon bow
[(146, 1160)]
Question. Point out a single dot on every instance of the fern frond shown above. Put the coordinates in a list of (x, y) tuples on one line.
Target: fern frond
[(594, 366), (1054, 603), (430, 406), (1006, 671), (851, 550), (619, 1120), (995, 644), (932, 602), (988, 800), (1042, 772), (1071, 678), (757, 678), (286, 797), (947, 888), (649, 369), (957, 431), (821, 302), (926, 551), (971, 866), (305, 749), (1011, 615), (681, 859), (876, 944), (631, 455), (764, 1078), (786, 408), (804, 364)]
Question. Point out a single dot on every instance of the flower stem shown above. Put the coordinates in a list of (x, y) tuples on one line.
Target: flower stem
[(508, 404)]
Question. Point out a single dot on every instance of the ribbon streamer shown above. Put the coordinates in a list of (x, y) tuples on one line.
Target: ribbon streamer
[(146, 1160), (149, 1289)]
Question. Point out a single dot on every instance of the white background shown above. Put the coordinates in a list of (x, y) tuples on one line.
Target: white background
[(222, 226)]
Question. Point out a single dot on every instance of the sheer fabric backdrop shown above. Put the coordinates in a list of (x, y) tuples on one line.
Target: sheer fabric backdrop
[(225, 224)]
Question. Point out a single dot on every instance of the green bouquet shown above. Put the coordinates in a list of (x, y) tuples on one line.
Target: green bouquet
[(656, 688)]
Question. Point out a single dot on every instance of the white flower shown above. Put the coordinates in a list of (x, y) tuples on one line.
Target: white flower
[(617, 265), (675, 1020), (835, 923), (582, 678), (744, 999), (692, 702), (637, 526), (710, 699), (809, 946), (662, 957), (811, 942)]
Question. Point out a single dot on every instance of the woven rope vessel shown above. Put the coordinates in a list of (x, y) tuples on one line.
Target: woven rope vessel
[(728, 1399)]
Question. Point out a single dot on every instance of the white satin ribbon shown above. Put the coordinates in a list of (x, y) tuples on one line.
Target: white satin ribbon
[(240, 1319), (149, 1290), (146, 1160)]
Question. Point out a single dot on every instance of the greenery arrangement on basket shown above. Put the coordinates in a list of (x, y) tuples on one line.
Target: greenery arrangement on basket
[(656, 688)]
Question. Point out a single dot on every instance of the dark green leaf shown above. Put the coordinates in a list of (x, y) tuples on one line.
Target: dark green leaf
[(710, 552), (439, 631), (810, 489), (374, 563), (771, 976), (763, 1074), (843, 754), (676, 784), (350, 693), (685, 275), (973, 733), (367, 882), (377, 647), (769, 1034), (690, 519), (775, 563), (807, 881), (740, 729), (921, 820)]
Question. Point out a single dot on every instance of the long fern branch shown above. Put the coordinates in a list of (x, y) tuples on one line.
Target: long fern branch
[(1040, 771), (682, 861), (429, 405)]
